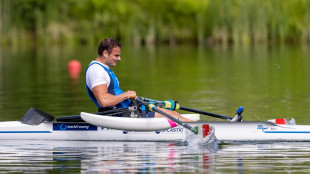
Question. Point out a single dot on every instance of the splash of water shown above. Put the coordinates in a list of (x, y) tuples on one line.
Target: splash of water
[(201, 140), (291, 122)]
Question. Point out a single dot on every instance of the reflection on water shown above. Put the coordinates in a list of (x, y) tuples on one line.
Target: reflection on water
[(269, 81), (150, 157), (101, 157)]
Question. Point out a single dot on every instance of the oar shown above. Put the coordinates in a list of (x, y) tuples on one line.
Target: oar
[(237, 118), (205, 113), (152, 107), (173, 105)]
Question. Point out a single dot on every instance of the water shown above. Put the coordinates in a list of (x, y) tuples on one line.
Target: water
[(151, 157), (268, 81)]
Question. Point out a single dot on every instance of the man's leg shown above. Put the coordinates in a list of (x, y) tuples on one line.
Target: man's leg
[(172, 113)]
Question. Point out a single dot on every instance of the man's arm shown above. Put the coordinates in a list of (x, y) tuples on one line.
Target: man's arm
[(107, 100)]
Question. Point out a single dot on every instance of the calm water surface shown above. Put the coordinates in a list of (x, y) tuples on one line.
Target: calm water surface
[(151, 157), (269, 81)]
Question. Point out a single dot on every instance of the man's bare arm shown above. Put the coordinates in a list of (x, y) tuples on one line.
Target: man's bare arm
[(107, 100)]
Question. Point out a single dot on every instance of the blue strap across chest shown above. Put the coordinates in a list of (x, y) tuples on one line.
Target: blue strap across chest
[(113, 88)]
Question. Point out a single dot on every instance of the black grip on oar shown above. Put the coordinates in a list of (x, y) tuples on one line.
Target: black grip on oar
[(154, 108), (141, 101), (205, 113)]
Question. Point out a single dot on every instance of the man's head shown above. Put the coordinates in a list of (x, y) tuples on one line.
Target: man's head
[(108, 44), (109, 51)]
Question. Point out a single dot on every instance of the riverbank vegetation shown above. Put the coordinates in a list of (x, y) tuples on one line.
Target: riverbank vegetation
[(153, 22)]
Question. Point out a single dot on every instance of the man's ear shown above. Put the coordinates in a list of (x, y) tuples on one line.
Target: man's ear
[(105, 53)]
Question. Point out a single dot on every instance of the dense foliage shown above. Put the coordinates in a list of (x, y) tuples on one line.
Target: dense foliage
[(155, 21)]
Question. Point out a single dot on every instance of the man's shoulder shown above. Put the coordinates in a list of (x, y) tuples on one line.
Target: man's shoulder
[(96, 64), (93, 68), (96, 69)]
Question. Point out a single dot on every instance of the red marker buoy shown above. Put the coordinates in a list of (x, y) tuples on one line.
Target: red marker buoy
[(74, 69)]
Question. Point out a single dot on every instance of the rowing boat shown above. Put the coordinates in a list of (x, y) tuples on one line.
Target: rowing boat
[(10, 130), (250, 131)]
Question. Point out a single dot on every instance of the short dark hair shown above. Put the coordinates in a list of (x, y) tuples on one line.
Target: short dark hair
[(108, 44)]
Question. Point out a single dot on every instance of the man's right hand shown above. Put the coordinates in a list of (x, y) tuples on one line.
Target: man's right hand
[(130, 94)]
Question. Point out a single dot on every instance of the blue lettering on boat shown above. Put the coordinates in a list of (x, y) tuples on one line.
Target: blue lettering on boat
[(172, 130), (261, 127), (74, 127)]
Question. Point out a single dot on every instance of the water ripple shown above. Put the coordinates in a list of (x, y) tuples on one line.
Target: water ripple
[(150, 157)]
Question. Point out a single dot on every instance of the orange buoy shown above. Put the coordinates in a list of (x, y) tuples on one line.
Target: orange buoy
[(74, 69), (74, 66)]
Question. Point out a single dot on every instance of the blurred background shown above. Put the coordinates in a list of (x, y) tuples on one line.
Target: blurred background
[(213, 55), (146, 22)]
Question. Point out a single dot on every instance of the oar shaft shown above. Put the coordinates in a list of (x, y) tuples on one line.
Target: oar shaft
[(154, 108), (192, 110), (172, 118), (187, 126), (141, 101), (205, 113)]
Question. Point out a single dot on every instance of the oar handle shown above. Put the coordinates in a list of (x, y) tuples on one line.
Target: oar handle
[(152, 107), (205, 113), (141, 101)]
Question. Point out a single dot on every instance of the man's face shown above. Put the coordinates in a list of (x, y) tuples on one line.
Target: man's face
[(113, 57)]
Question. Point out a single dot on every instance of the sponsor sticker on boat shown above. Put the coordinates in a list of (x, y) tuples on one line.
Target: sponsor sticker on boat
[(74, 127), (170, 130), (261, 127)]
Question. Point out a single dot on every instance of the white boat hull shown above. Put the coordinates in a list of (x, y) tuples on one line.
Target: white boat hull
[(260, 131), (224, 131), (83, 131)]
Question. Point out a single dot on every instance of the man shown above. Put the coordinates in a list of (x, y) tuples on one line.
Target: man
[(103, 86)]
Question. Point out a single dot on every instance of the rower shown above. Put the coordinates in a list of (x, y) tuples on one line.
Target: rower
[(103, 86)]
